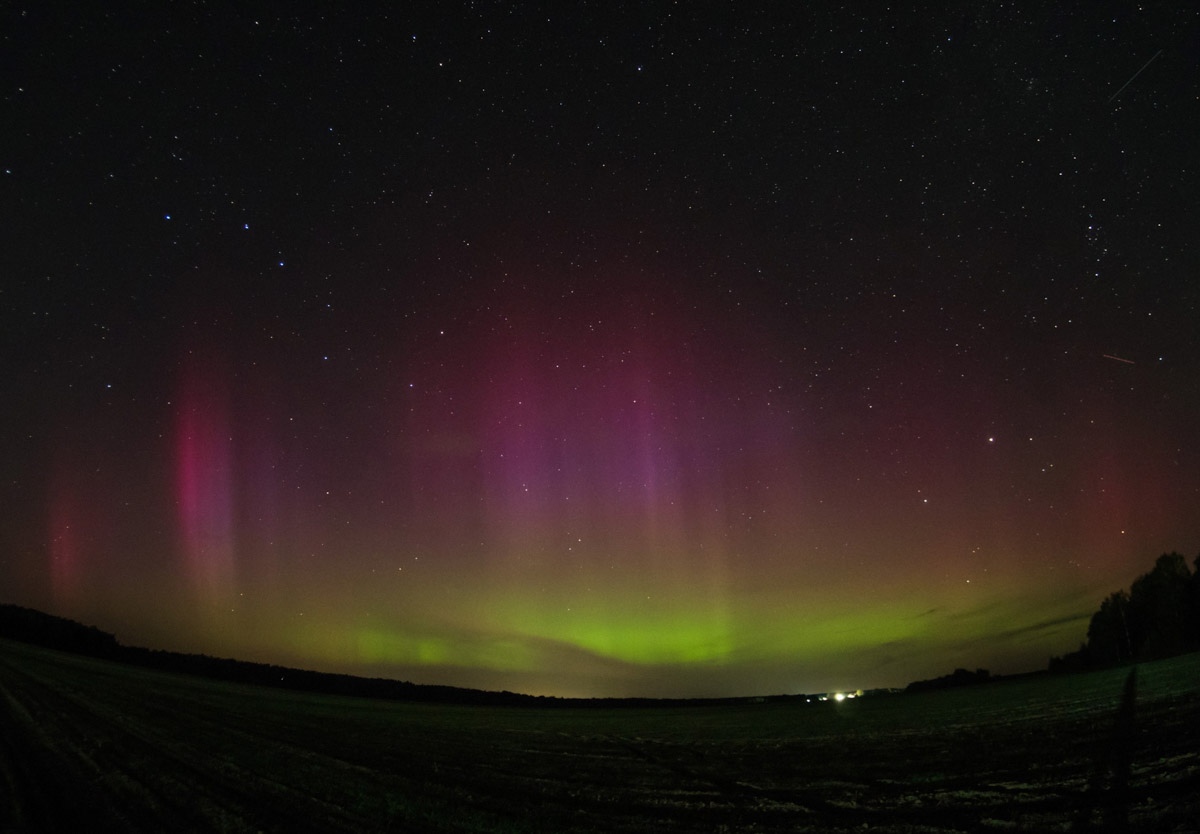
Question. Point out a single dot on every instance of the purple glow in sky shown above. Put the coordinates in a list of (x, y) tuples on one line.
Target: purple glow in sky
[(663, 352)]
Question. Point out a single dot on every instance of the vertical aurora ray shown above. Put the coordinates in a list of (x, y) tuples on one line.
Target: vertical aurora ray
[(580, 382), (263, 518), (79, 530), (65, 547), (204, 484), (611, 476)]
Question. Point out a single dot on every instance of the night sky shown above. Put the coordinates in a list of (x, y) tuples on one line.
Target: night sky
[(599, 349)]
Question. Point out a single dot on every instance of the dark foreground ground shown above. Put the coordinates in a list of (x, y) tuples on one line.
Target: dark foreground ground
[(86, 745)]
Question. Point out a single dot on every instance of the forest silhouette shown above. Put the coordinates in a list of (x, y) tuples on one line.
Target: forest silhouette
[(1158, 617)]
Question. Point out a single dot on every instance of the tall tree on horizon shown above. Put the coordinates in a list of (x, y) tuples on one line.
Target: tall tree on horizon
[(1158, 617)]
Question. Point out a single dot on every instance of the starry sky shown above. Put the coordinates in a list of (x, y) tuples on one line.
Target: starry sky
[(598, 349)]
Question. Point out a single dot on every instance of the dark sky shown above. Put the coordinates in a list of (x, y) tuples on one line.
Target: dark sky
[(590, 349)]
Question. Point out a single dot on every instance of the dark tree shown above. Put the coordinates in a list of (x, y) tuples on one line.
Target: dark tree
[(1193, 626), (1159, 605), (1158, 617), (1109, 638)]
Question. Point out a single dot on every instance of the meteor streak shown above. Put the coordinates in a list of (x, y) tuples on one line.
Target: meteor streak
[(1130, 81), (1119, 359)]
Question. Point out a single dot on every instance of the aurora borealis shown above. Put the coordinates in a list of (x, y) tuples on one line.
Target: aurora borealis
[(611, 354)]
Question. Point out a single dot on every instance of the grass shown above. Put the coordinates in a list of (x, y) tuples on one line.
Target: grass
[(91, 745)]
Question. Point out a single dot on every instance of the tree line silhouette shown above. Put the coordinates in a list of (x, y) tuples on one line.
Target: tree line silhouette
[(29, 625), (1159, 616)]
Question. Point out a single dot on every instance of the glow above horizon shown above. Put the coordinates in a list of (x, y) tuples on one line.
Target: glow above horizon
[(706, 353), (617, 492)]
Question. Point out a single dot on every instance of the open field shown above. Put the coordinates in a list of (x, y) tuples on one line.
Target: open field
[(90, 745)]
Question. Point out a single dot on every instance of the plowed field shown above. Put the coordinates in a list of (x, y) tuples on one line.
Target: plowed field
[(87, 745)]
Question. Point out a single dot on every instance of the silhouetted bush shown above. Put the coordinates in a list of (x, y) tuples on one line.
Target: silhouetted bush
[(961, 677)]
